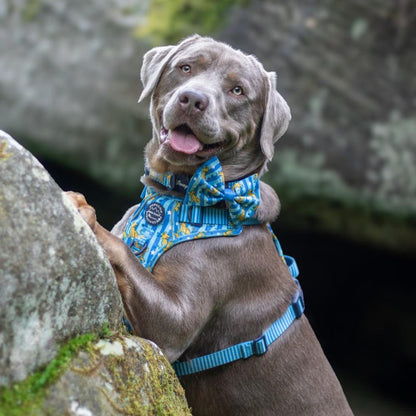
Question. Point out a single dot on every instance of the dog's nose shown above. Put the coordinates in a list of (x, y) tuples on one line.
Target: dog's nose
[(193, 100)]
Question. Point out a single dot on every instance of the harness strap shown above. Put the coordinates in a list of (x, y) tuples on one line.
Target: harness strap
[(293, 267), (247, 349)]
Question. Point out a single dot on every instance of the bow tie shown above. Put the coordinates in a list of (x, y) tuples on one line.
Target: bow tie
[(207, 187)]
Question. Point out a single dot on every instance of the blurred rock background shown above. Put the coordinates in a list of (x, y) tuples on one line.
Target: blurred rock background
[(345, 171)]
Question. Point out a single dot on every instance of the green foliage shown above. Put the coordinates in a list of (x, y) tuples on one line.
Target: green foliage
[(170, 21), (31, 10), (25, 397)]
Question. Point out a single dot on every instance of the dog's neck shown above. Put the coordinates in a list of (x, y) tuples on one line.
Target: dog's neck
[(178, 182), (232, 171), (250, 161)]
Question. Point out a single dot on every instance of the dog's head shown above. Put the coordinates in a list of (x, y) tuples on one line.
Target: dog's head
[(209, 99)]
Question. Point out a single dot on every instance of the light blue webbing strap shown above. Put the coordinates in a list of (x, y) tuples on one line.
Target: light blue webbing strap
[(292, 265), (254, 347)]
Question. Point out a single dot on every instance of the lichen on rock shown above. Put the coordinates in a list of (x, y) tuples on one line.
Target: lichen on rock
[(120, 375), (123, 375)]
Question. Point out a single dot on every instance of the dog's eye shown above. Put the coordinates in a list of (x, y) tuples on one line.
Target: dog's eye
[(237, 90), (186, 68)]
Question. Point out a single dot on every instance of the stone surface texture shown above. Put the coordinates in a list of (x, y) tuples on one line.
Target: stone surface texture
[(69, 83), (55, 280), (123, 376), (347, 72)]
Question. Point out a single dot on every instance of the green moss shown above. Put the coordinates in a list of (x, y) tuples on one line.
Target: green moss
[(160, 391), (31, 10), (169, 21), (22, 399), (167, 390), (106, 331)]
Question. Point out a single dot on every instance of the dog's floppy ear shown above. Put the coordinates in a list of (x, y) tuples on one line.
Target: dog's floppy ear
[(276, 119), (155, 61)]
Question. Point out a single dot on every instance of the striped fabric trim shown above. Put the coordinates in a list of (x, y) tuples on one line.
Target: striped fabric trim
[(197, 215)]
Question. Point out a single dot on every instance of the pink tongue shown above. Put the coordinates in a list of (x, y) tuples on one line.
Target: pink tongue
[(185, 142)]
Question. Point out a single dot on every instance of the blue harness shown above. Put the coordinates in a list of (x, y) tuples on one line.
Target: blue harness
[(209, 208), (206, 207)]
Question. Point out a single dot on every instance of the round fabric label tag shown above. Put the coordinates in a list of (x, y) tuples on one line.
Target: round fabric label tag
[(154, 213)]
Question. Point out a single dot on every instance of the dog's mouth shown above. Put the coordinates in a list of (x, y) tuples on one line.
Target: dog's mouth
[(182, 139)]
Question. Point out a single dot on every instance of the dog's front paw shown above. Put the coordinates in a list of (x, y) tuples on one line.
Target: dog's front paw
[(87, 211)]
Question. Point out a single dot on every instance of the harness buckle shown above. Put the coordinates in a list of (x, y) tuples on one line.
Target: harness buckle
[(260, 345), (179, 183)]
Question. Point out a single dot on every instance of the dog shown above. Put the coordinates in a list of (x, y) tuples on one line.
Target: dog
[(216, 112)]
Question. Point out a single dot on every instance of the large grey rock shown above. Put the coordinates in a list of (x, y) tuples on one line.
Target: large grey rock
[(347, 71), (55, 280), (69, 83)]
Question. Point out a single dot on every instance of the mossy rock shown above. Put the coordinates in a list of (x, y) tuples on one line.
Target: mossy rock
[(120, 375)]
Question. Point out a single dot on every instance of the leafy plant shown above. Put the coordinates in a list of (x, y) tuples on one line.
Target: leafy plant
[(170, 21)]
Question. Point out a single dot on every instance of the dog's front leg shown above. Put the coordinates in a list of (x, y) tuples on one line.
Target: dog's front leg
[(165, 306)]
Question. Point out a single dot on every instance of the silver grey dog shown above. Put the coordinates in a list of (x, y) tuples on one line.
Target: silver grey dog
[(205, 295)]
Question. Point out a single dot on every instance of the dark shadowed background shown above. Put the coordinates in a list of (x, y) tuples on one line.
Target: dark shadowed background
[(345, 171)]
